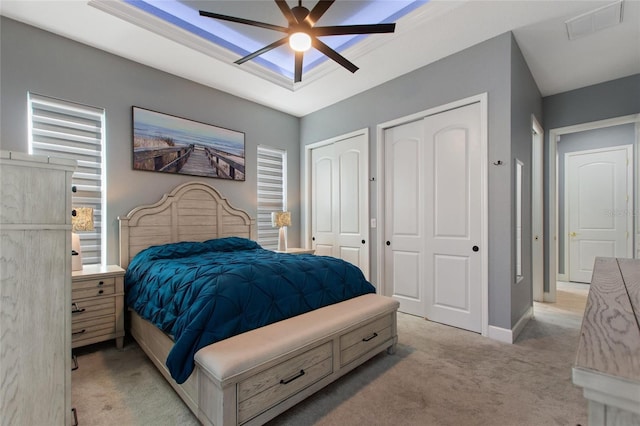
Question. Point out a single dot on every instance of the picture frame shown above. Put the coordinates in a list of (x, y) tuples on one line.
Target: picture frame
[(171, 144)]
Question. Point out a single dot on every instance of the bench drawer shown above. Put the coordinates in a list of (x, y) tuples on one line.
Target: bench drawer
[(362, 339), (266, 389)]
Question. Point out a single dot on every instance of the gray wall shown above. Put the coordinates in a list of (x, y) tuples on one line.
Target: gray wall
[(485, 67), (607, 137), (44, 63), (611, 99), (525, 101)]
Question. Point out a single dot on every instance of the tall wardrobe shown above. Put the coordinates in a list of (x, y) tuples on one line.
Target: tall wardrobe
[(35, 289)]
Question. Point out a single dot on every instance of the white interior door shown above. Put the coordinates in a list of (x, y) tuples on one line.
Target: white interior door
[(340, 200), (599, 205), (404, 216), (453, 215)]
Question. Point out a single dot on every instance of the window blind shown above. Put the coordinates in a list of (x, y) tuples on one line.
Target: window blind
[(272, 192), (69, 130)]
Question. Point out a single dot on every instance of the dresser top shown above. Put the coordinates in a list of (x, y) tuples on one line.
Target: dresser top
[(38, 159)]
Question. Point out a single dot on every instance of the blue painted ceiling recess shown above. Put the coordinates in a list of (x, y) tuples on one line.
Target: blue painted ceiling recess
[(244, 39)]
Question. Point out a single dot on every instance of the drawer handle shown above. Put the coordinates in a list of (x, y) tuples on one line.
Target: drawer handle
[(75, 309), (297, 376), (100, 291), (100, 283), (79, 332), (366, 339)]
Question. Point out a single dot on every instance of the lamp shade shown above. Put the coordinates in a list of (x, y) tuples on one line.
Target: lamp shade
[(280, 219), (83, 219)]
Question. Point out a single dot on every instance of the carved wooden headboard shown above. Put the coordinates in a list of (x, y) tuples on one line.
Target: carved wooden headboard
[(193, 211)]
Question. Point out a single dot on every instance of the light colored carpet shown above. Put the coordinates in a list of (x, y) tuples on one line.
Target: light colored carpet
[(439, 376)]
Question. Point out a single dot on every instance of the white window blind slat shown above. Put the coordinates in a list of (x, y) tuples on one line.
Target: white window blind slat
[(272, 196), (64, 129)]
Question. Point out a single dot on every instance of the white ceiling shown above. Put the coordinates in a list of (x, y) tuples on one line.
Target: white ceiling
[(433, 31)]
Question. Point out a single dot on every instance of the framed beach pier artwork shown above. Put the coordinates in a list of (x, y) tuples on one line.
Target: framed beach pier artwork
[(170, 144)]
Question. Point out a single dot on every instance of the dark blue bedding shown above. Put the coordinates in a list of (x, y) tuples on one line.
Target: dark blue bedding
[(201, 293)]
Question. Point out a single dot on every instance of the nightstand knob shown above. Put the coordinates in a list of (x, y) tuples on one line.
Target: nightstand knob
[(100, 291), (101, 283)]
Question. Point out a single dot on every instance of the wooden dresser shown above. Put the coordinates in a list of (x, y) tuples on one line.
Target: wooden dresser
[(607, 364), (97, 305), (35, 290)]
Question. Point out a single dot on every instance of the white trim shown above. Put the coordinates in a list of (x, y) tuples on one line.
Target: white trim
[(500, 334), (538, 287), (636, 187), (554, 134), (484, 239), (509, 336)]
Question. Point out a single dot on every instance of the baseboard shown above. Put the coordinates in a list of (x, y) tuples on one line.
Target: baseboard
[(548, 297), (509, 336)]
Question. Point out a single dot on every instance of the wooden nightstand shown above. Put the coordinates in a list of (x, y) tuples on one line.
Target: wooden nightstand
[(295, 250), (97, 305)]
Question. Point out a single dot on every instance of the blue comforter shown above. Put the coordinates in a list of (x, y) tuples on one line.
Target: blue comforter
[(201, 293)]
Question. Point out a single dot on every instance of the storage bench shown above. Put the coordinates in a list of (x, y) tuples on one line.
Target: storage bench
[(252, 377)]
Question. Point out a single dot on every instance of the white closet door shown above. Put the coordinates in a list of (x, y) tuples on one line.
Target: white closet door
[(404, 216), (340, 200), (433, 217), (323, 199), (454, 217)]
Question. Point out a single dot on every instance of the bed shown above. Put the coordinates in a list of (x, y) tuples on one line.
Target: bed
[(251, 377)]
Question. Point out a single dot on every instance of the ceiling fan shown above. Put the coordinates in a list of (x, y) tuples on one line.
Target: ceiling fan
[(302, 33)]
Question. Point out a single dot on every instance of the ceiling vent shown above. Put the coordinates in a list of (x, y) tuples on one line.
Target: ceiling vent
[(595, 20)]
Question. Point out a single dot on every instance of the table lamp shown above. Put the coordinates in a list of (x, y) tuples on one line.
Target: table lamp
[(280, 220), (81, 220)]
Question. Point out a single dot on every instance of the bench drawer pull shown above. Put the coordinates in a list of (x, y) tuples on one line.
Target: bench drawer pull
[(297, 376), (75, 309), (84, 330), (366, 339)]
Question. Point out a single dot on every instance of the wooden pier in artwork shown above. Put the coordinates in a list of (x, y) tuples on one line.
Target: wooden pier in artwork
[(198, 160)]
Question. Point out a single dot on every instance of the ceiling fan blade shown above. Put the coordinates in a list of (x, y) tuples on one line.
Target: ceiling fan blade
[(319, 9), (353, 29), (286, 11), (263, 50), (244, 21), (298, 67), (333, 54)]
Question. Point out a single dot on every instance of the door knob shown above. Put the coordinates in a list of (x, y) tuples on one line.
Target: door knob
[(363, 241), (475, 248), (388, 243), (573, 234)]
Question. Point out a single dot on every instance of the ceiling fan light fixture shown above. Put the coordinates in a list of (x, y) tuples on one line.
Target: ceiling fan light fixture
[(300, 41)]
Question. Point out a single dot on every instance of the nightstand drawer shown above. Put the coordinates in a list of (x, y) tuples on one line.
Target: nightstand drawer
[(362, 339), (92, 288), (86, 309), (89, 328)]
